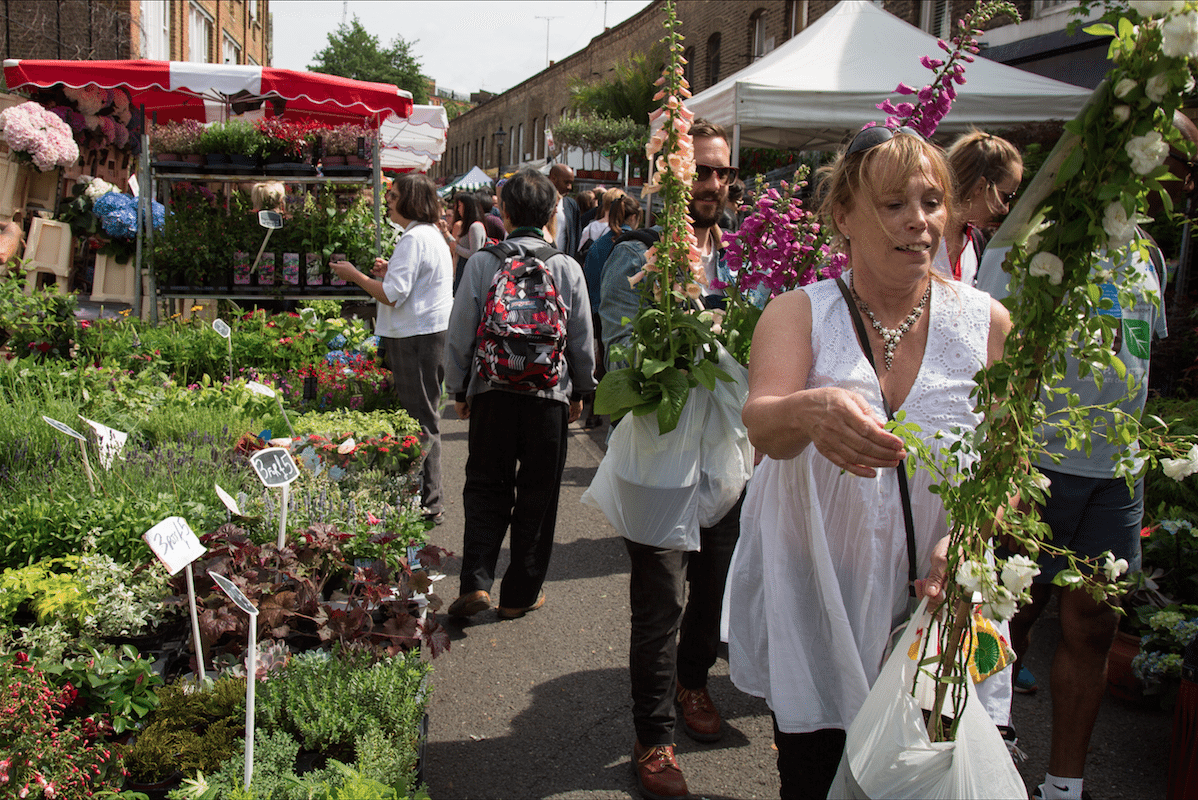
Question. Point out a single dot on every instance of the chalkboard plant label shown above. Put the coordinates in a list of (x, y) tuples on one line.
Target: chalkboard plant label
[(274, 467)]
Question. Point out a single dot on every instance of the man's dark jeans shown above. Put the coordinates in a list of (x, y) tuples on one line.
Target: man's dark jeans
[(513, 476), (659, 653)]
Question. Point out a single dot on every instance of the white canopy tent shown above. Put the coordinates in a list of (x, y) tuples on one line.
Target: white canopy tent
[(472, 180), (415, 142), (810, 92)]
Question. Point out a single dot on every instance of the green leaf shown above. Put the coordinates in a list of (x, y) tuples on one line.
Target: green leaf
[(1138, 337), (652, 366), (1073, 162), (1100, 29), (675, 389), (618, 392)]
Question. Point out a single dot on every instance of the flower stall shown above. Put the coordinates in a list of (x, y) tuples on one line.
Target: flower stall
[(262, 121)]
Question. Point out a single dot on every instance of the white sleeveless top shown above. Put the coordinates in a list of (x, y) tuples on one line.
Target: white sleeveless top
[(819, 576)]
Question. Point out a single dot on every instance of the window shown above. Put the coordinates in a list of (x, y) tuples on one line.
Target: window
[(713, 59), (155, 30), (520, 150), (796, 17), (936, 18), (230, 50), (757, 34), (199, 35), (688, 69), (1043, 8), (536, 140), (251, 8)]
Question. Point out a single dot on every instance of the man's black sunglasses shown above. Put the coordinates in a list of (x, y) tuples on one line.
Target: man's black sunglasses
[(726, 174), (876, 135)]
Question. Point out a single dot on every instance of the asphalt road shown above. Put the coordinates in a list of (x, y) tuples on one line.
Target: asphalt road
[(539, 707)]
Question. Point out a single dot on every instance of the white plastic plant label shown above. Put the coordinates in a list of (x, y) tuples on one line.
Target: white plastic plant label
[(64, 428), (174, 543), (228, 501), (222, 328)]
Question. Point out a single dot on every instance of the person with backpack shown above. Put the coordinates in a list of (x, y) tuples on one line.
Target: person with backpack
[(518, 363)]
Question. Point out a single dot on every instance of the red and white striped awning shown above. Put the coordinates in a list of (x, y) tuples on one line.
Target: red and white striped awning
[(178, 90)]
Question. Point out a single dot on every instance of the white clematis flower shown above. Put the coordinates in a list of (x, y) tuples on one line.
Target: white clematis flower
[(1017, 573), (1179, 35), (1114, 567), (1125, 87), (1180, 468), (1047, 265), (1119, 228), (1121, 113), (1147, 152), (1157, 87)]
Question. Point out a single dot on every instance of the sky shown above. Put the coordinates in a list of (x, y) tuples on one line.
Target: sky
[(463, 45)]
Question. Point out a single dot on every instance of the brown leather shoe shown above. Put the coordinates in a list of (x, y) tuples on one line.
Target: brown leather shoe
[(700, 719), (516, 613), (469, 604), (658, 775)]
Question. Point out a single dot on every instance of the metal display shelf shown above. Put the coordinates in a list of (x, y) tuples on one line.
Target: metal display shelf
[(260, 178)]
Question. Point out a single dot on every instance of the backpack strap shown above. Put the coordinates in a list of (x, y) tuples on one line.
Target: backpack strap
[(507, 249)]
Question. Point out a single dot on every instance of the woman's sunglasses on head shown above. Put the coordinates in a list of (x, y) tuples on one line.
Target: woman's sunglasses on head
[(873, 136)]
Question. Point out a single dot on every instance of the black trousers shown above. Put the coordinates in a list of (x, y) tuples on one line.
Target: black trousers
[(672, 639), (417, 370), (513, 476), (807, 762)]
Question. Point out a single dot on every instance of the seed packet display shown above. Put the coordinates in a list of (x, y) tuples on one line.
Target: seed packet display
[(314, 269), (334, 279), (241, 268), (291, 268), (266, 269)]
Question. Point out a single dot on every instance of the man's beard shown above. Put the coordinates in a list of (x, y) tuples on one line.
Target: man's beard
[(707, 221)]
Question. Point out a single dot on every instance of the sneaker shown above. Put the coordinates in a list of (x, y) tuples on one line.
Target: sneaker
[(435, 517), (1038, 793), (700, 719), (658, 775), (516, 613), (1025, 681), (469, 604)]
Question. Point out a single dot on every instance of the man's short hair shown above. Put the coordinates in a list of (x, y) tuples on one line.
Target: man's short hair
[(703, 129), (529, 199)]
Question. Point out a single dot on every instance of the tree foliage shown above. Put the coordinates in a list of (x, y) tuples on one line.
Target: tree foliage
[(353, 52), (628, 94)]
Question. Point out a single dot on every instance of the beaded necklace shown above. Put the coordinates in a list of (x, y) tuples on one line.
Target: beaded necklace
[(892, 336)]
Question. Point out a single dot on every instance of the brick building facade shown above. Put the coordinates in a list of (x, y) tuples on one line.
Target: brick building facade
[(213, 31), (721, 37)]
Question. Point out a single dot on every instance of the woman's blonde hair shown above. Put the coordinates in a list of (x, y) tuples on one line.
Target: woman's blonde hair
[(880, 170), (609, 197), (978, 156)]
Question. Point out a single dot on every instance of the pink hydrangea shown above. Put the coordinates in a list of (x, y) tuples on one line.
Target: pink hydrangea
[(41, 135)]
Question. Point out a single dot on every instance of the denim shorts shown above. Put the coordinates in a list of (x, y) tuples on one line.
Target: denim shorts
[(1090, 516)]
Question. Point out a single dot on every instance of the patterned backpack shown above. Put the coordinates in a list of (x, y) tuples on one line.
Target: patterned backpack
[(522, 332)]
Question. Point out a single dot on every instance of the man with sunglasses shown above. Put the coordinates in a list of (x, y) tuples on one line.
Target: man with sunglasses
[(674, 644)]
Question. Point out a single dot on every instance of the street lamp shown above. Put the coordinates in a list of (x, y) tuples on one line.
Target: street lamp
[(500, 135)]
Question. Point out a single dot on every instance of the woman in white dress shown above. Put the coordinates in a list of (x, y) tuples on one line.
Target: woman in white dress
[(820, 575)]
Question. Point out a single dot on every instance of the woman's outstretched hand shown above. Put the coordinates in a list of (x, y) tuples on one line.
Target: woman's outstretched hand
[(848, 432)]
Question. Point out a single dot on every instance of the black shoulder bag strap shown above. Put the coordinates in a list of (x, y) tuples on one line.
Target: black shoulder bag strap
[(901, 470)]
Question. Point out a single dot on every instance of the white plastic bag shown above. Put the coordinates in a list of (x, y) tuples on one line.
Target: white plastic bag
[(647, 484), (726, 458), (888, 754)]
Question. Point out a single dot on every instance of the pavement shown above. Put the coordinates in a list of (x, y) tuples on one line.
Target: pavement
[(539, 707)]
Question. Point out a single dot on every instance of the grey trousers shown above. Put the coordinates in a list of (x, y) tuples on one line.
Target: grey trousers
[(418, 371)]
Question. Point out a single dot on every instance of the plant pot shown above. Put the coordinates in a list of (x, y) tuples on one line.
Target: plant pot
[(192, 158), (333, 161), (357, 161), (159, 789), (216, 162), (242, 165), (167, 157), (1120, 681), (636, 180)]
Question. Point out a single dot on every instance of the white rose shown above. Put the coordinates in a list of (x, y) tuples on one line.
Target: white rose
[(1017, 573), (1147, 152), (1180, 468), (1000, 605), (1121, 113), (1125, 87), (972, 576), (1032, 243), (1157, 86), (1179, 35), (1114, 567), (1047, 265), (1119, 229)]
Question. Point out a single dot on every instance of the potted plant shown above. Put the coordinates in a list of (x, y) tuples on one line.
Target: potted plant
[(346, 142), (177, 141), (285, 146)]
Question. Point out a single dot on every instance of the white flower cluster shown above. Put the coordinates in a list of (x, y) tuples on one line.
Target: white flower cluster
[(1120, 229), (999, 600), (1147, 152), (1180, 468), (96, 187), (1179, 33)]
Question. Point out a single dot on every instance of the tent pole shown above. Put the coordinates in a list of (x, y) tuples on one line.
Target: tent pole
[(736, 145)]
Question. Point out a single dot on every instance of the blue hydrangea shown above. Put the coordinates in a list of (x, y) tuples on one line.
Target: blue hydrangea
[(336, 357), (118, 214), (338, 342)]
